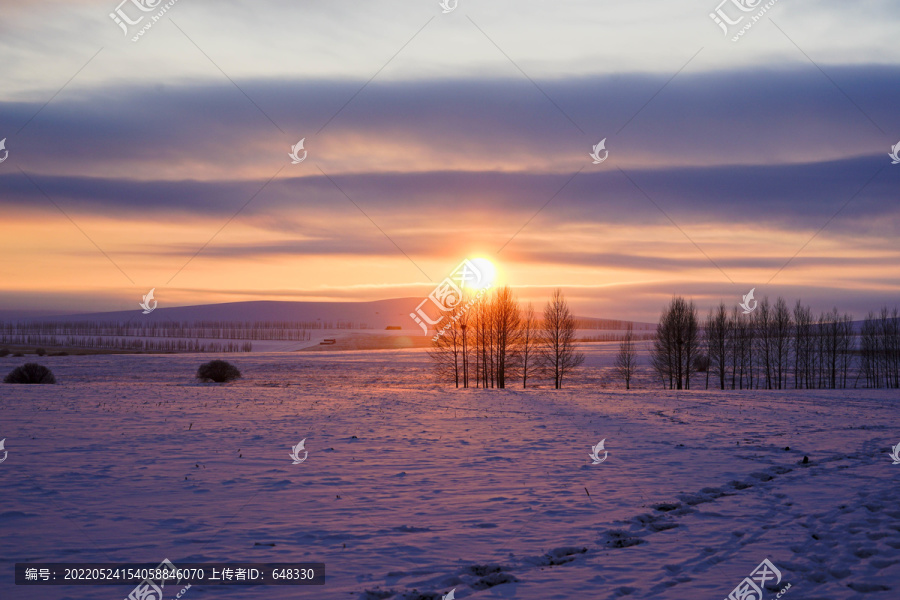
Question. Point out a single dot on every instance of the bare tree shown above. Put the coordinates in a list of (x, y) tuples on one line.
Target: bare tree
[(626, 359), (831, 347), (662, 355), (846, 347), (880, 349), (717, 332), (484, 341), (677, 344), (447, 348), (528, 341), (463, 322), (507, 333), (744, 335), (763, 329), (736, 349), (781, 342), (803, 336), (559, 354)]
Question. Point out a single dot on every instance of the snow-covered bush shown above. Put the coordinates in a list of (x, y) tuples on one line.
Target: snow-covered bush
[(30, 373), (219, 371)]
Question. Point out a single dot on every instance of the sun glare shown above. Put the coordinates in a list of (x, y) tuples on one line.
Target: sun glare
[(487, 272)]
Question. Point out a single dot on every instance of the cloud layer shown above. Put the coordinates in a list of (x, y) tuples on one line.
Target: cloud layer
[(731, 165)]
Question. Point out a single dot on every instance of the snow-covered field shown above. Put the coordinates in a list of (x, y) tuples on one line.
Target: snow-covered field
[(412, 488)]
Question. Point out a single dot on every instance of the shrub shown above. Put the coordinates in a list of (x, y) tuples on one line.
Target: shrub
[(218, 371), (30, 373), (4, 351), (40, 352)]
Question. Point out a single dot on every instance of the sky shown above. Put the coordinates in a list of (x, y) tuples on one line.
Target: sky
[(433, 136)]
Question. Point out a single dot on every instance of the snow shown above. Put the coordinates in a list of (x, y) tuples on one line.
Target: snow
[(413, 488)]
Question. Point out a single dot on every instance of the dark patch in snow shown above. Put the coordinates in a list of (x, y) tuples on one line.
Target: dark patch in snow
[(620, 539), (482, 570), (376, 594), (561, 556), (417, 595), (492, 580), (865, 588)]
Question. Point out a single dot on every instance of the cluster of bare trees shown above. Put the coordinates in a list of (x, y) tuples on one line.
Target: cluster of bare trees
[(494, 341), (774, 347), (677, 344), (879, 349)]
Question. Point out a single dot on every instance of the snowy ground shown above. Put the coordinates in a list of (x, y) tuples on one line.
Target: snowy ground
[(412, 489)]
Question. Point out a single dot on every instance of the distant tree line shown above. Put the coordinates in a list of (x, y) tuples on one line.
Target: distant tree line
[(611, 324), (129, 344), (494, 342), (234, 330), (773, 347), (618, 337)]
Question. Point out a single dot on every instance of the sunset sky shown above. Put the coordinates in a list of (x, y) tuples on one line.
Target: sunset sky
[(433, 137)]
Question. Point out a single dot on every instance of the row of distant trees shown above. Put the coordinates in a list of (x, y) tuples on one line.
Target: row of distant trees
[(773, 347), (494, 341), (126, 344), (233, 330)]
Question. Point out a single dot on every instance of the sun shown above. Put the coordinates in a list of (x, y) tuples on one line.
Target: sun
[(486, 270)]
